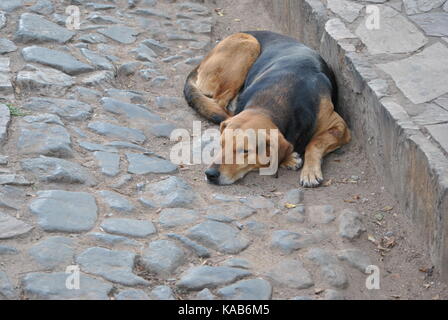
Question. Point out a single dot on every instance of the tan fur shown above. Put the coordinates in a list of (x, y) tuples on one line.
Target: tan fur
[(222, 73), (331, 133)]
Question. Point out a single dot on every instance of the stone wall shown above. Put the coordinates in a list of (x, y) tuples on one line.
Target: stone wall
[(415, 169)]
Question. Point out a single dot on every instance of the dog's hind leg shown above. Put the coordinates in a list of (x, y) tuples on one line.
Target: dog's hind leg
[(332, 133)]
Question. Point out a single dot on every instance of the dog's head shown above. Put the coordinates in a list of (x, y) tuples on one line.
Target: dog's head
[(249, 141)]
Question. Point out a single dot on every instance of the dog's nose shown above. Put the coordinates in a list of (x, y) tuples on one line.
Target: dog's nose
[(212, 175)]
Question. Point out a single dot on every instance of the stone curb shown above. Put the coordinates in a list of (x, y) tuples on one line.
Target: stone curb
[(415, 169)]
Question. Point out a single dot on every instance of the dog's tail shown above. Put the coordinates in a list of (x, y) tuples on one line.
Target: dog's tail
[(204, 105)]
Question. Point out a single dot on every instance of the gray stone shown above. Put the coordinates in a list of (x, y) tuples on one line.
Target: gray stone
[(219, 236), (294, 197), (141, 164), (347, 10), (434, 24), (3, 19), (432, 114), (102, 19), (166, 102), (6, 87), (113, 240), (43, 81), (258, 202), (14, 180), (99, 78), (254, 289), (79, 214), (7, 46), (356, 258), (152, 13), (127, 96), (172, 192), (116, 201), (53, 252), (205, 294), (98, 61), (396, 35), (199, 250), (44, 139), (296, 215), (163, 257), (109, 163), (330, 270), (128, 227), (52, 286), (129, 68), (132, 294), (350, 225), (158, 82), (69, 109), (131, 111), (89, 146), (114, 131), (115, 266), (418, 6), (331, 294), (34, 28), (100, 6), (44, 7), (126, 145), (203, 26), (237, 263), (58, 170), (144, 53), (438, 132), (121, 34), (156, 46), (194, 60), (256, 228), (45, 118), (11, 227), (92, 38), (162, 293), (231, 211), (162, 129), (288, 242), (321, 214), (7, 250), (11, 197), (5, 119), (198, 278), (171, 218), (7, 290), (292, 274)]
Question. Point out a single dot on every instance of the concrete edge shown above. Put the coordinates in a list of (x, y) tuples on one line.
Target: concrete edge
[(415, 170)]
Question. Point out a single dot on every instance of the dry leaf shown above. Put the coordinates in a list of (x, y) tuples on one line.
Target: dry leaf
[(387, 209), (290, 206)]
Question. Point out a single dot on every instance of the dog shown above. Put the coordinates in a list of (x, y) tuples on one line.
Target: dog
[(264, 80)]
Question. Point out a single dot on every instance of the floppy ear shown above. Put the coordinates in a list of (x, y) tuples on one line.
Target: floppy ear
[(281, 145), (223, 126)]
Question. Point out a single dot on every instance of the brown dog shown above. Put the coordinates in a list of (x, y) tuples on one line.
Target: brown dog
[(266, 81)]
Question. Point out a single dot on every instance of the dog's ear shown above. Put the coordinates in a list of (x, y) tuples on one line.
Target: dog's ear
[(223, 125), (278, 143)]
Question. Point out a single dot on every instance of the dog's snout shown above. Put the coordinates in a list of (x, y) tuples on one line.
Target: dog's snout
[(213, 175)]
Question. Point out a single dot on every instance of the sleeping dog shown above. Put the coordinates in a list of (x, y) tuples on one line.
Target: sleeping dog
[(263, 80)]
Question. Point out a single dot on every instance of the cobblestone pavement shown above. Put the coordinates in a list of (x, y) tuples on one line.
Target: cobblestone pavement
[(85, 179)]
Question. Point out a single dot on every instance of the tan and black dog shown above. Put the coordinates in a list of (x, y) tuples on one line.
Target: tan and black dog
[(276, 83)]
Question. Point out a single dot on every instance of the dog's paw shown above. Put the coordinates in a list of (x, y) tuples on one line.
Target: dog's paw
[(293, 162), (311, 177)]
